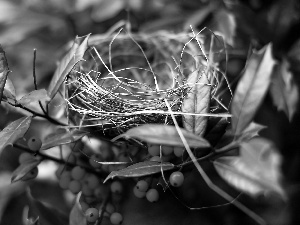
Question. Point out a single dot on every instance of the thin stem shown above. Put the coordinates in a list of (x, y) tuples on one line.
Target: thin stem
[(48, 157), (33, 69), (38, 114)]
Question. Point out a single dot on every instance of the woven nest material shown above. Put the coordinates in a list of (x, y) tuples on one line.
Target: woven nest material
[(126, 78)]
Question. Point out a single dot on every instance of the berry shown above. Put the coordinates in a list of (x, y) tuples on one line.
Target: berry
[(24, 157), (137, 193), (155, 159), (86, 191), (77, 173), (176, 179), (110, 208), (93, 181), (94, 161), (116, 218), (31, 174), (154, 150), (178, 151), (116, 187), (101, 192), (167, 150), (71, 159), (142, 185), (91, 214), (75, 186), (65, 180), (34, 143), (152, 195)]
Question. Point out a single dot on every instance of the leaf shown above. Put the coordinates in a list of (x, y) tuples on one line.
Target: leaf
[(29, 220), (76, 215), (9, 91), (4, 71), (62, 138), (256, 170), (24, 168), (141, 169), (33, 97), (48, 215), (107, 9), (74, 56), (14, 131), (251, 131), (284, 90), (164, 135), (226, 25), (251, 89), (216, 129), (196, 101)]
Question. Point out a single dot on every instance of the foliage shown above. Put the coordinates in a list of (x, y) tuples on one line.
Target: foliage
[(207, 89)]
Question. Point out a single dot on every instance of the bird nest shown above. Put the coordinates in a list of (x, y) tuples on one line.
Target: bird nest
[(126, 79)]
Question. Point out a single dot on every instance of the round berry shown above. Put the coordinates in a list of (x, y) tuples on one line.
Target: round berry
[(64, 180), (142, 185), (93, 181), (178, 151), (137, 193), (86, 191), (31, 174), (152, 195), (176, 179), (110, 208), (94, 161), (71, 159), (24, 157), (154, 150), (34, 143), (91, 214), (166, 150), (116, 187), (155, 159), (75, 186), (101, 192), (77, 173), (116, 218)]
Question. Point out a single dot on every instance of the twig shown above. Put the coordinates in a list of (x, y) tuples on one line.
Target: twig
[(38, 114)]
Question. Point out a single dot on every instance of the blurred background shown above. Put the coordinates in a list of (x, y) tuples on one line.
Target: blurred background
[(50, 25)]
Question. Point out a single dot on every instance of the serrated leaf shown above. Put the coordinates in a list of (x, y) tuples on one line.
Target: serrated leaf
[(164, 135), (196, 101), (48, 215), (141, 169), (33, 97), (284, 90), (74, 56), (14, 131), (62, 138), (251, 89), (4, 71), (76, 215), (255, 171), (23, 169)]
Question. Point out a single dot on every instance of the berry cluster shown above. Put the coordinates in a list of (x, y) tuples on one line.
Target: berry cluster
[(159, 153), (85, 174)]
